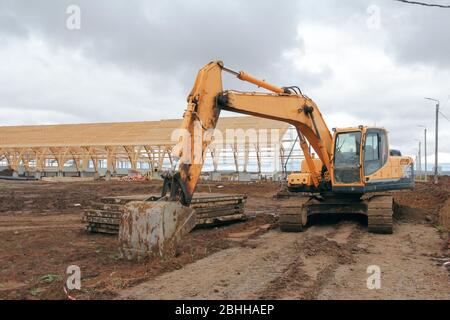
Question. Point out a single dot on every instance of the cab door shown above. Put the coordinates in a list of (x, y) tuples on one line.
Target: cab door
[(347, 161)]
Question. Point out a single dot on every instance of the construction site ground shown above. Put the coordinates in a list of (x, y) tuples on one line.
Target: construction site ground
[(41, 234)]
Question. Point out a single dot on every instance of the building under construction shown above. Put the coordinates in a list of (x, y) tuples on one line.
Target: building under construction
[(130, 147)]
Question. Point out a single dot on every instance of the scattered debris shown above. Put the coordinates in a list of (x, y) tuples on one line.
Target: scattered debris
[(135, 178)]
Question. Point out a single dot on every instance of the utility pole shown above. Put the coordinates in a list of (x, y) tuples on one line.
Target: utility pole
[(436, 144), (436, 162), (419, 161), (425, 151), (416, 174)]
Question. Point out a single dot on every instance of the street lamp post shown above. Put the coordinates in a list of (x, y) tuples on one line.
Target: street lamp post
[(436, 143)]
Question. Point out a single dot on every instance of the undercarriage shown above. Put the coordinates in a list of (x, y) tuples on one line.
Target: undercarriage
[(296, 210)]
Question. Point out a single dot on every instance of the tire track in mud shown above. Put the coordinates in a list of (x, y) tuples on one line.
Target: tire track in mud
[(26, 223), (319, 257), (405, 259), (275, 265), (235, 273)]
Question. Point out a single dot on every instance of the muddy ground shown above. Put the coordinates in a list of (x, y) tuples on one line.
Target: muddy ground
[(41, 234)]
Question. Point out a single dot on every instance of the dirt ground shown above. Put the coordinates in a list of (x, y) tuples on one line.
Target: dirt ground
[(41, 234)]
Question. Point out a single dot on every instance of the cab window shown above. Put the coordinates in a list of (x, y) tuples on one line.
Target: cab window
[(372, 152), (375, 151), (347, 157)]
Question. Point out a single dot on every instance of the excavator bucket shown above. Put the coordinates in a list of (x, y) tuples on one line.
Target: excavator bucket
[(149, 228)]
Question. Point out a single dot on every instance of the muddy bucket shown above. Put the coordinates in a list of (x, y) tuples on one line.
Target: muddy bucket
[(153, 228)]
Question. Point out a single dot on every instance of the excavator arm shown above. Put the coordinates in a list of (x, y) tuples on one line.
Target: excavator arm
[(205, 102)]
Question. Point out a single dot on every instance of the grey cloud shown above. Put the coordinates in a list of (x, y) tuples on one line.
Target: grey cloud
[(9, 25), (166, 36), (418, 35)]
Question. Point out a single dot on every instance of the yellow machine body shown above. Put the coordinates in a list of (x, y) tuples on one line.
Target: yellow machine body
[(374, 169)]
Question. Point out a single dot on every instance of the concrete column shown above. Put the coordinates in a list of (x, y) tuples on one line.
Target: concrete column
[(38, 175), (108, 175), (236, 157), (15, 174), (246, 156), (60, 174)]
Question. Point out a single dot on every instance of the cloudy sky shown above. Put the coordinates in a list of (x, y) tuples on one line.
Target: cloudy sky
[(363, 62)]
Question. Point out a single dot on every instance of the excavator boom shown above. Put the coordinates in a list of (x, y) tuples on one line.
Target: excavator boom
[(207, 99)]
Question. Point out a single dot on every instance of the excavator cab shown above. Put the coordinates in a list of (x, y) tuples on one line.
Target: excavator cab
[(362, 162)]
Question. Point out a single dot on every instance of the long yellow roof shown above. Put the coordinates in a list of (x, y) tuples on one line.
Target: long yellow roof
[(118, 133)]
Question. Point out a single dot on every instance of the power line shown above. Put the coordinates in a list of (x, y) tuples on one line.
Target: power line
[(444, 115), (425, 4), (446, 103)]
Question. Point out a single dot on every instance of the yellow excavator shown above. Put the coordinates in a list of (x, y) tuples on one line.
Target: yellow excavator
[(351, 161), (353, 167)]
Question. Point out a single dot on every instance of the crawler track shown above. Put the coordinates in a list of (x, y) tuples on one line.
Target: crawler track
[(293, 214), (379, 214)]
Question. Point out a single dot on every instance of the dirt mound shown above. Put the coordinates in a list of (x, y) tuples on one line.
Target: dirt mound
[(406, 213), (424, 203), (445, 216)]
